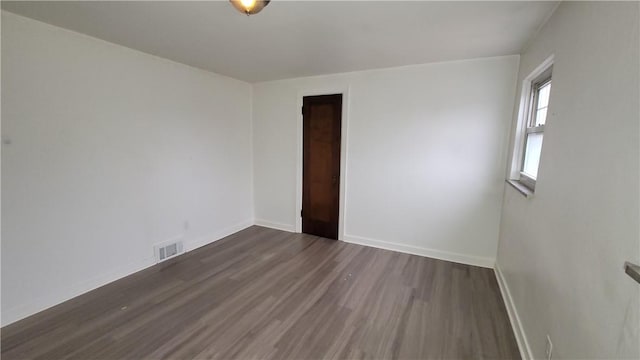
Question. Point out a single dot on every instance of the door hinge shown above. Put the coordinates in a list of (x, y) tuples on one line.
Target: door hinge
[(303, 110), (300, 212)]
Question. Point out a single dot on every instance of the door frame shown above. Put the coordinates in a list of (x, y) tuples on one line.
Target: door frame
[(314, 91)]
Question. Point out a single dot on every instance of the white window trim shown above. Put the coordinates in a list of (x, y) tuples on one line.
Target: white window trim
[(524, 111)]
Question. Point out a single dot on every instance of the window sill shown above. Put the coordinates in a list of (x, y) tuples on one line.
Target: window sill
[(522, 189)]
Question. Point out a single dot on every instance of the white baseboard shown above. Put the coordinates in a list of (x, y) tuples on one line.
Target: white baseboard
[(431, 253), (274, 225), (37, 304), (516, 324), (42, 303), (206, 240)]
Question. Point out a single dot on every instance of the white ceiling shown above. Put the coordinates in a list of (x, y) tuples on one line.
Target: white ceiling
[(292, 39)]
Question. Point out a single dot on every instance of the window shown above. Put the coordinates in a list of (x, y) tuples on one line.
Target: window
[(536, 92), (540, 92)]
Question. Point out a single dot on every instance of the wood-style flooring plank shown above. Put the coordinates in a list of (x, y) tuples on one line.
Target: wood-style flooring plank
[(268, 294)]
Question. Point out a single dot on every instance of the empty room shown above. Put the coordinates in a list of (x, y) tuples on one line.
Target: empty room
[(254, 179)]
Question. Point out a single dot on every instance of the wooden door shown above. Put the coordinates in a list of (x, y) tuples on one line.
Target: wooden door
[(322, 119)]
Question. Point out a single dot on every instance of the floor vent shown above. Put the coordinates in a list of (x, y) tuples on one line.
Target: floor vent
[(168, 250)]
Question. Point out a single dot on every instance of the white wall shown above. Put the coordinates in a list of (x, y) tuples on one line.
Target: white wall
[(406, 128), (561, 252), (111, 150)]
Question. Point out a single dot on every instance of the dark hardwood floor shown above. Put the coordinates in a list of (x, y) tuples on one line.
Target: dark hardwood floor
[(268, 294)]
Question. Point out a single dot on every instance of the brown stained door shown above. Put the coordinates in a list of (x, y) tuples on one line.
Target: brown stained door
[(322, 119)]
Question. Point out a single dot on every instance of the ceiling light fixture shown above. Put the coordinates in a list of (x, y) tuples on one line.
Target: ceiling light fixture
[(249, 7)]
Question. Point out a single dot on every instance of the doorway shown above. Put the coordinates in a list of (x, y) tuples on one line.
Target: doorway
[(321, 134)]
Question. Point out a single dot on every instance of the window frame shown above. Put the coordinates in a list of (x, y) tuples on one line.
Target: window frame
[(531, 128), (531, 86)]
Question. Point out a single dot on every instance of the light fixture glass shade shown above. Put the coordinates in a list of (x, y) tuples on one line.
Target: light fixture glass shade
[(249, 7)]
